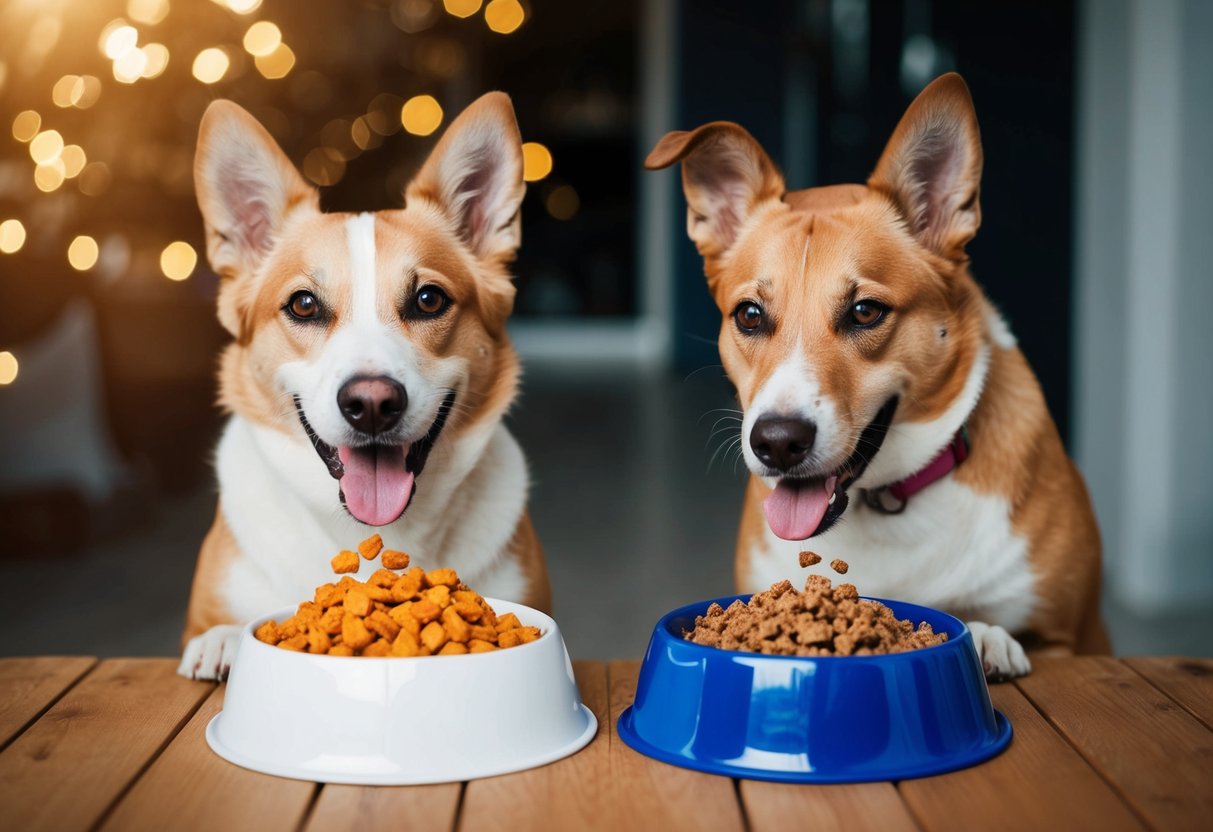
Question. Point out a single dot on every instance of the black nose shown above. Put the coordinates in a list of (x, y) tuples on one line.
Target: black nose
[(372, 404), (782, 443)]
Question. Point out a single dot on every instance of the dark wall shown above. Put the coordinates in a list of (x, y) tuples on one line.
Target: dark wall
[(1018, 59)]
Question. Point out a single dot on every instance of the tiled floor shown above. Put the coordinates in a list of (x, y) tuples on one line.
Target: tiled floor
[(634, 515)]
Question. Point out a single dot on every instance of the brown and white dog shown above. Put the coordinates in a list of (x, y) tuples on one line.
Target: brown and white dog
[(368, 376), (877, 380)]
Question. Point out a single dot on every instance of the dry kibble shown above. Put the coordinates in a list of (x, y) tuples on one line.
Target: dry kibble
[(839, 565), (808, 559), (416, 613), (820, 621), (345, 561), (392, 559), (371, 546)]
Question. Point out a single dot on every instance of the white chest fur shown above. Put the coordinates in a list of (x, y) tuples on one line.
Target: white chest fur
[(952, 549), (282, 508)]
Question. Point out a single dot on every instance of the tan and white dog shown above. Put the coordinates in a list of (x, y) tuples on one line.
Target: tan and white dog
[(888, 414), (368, 376)]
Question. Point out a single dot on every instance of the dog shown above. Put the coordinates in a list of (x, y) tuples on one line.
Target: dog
[(889, 419), (368, 375)]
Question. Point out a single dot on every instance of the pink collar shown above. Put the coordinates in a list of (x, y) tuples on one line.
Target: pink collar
[(954, 453)]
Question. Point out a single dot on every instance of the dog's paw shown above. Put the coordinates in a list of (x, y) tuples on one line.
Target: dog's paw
[(1002, 657), (209, 656)]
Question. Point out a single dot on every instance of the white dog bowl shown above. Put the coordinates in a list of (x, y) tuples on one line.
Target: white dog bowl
[(402, 721)]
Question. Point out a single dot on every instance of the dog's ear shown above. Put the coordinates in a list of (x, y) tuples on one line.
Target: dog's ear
[(474, 177), (931, 167), (246, 189), (726, 175)]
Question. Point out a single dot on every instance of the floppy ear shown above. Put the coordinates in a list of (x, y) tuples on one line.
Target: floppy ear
[(246, 189), (726, 175), (474, 177), (931, 167)]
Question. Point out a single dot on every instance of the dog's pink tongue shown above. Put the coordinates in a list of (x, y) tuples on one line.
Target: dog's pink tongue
[(794, 510), (376, 485)]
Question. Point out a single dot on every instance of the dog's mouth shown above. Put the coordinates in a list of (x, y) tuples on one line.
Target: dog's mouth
[(800, 508), (377, 482)]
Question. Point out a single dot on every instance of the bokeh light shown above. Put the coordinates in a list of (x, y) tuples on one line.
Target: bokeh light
[(95, 179), (276, 64), (12, 236), (462, 8), (562, 202), (8, 368), (262, 38), (241, 6), (504, 16), (82, 253), (157, 56), (61, 93), (211, 65), (323, 167), (50, 176), (45, 147), (147, 12), (178, 260), (120, 40), (74, 160), (129, 68), (26, 125), (421, 115), (536, 161), (90, 91)]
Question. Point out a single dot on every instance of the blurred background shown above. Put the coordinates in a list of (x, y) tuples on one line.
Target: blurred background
[(1097, 198)]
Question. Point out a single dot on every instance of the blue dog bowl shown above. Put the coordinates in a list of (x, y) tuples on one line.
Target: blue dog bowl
[(837, 719)]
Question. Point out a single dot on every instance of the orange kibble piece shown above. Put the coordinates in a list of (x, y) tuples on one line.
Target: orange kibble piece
[(318, 641), (440, 595), (371, 546), (477, 645), (297, 643), (358, 601), (481, 633), (518, 635), (433, 636), (268, 632), (327, 595), (380, 622), (406, 644), (425, 610), (406, 588), (452, 648), (377, 649), (330, 622), (345, 561), (509, 621), (468, 612), (382, 577), (354, 632), (442, 577), (391, 559), (340, 650), (455, 626)]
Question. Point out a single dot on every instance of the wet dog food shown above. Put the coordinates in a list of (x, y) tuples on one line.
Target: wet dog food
[(823, 620)]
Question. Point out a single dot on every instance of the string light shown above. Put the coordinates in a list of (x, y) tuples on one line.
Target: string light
[(82, 253), (504, 16), (12, 236), (178, 260), (8, 368), (421, 115), (211, 65), (536, 161)]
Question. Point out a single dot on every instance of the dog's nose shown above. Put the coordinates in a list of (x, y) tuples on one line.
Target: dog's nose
[(782, 443), (372, 404)]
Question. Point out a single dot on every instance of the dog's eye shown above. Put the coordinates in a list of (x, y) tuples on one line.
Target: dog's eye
[(430, 301), (866, 313), (749, 316), (302, 306)]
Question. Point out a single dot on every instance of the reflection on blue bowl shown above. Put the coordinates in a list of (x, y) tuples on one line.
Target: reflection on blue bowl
[(838, 719)]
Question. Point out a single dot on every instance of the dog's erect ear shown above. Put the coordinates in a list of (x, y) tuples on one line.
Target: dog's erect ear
[(246, 189), (725, 175), (931, 167), (474, 176)]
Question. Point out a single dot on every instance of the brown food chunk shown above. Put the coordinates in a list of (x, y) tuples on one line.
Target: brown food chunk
[(358, 601), (391, 559), (268, 632), (345, 561), (433, 636), (839, 565), (371, 546), (808, 559)]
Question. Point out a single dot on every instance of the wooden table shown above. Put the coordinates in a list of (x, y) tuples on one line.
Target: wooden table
[(117, 745)]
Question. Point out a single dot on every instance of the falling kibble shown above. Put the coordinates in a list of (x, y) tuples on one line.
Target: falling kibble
[(839, 565), (808, 559)]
